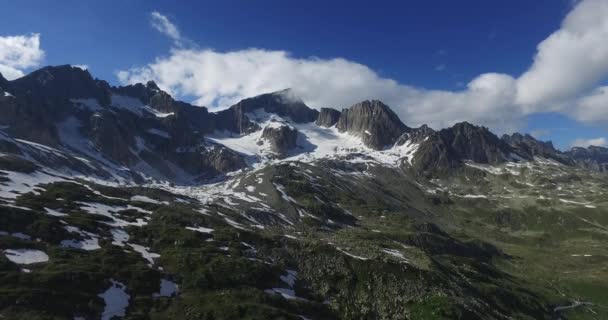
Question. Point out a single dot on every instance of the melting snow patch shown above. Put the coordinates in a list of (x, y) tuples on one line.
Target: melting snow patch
[(116, 299), (167, 288), (351, 255), (160, 133), (290, 278), (54, 213), (288, 294), (18, 235), (200, 229), (119, 237), (86, 244), (26, 256), (474, 196), (146, 199), (235, 224), (145, 253)]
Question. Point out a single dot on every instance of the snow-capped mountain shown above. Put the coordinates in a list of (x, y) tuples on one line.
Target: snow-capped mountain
[(121, 201)]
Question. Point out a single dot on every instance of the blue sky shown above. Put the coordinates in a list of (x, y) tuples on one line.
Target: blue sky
[(422, 46)]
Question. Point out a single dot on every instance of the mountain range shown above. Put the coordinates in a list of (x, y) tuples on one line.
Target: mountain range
[(123, 202)]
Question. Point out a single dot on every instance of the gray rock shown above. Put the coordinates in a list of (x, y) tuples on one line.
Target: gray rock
[(528, 147), (281, 139), (377, 125), (593, 157), (328, 117)]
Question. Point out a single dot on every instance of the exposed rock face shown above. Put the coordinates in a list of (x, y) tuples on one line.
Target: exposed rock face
[(4, 85), (595, 158), (328, 117), (528, 147), (282, 103), (223, 160), (373, 121), (54, 86), (478, 144), (115, 133), (416, 135), (281, 139), (111, 138), (448, 148)]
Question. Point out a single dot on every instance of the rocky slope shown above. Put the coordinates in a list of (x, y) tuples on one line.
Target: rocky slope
[(121, 201)]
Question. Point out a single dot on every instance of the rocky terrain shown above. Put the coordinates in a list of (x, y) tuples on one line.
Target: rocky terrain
[(121, 202)]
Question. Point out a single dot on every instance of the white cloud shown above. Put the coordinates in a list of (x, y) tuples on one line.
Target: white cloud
[(593, 107), (18, 53), (221, 79), (598, 142), (440, 67), (570, 61), (163, 25), (566, 67), (81, 66)]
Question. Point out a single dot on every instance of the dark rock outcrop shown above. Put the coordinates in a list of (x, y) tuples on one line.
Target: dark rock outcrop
[(528, 147), (478, 144), (281, 103), (54, 86), (593, 157), (373, 121), (448, 148), (5, 85), (281, 139), (328, 117)]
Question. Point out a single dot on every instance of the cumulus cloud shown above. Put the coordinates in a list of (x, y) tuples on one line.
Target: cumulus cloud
[(567, 66), (220, 79), (593, 107), (570, 61), (163, 25), (598, 142), (18, 53)]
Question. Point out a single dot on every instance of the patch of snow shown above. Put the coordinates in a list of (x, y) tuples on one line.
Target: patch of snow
[(116, 300), (167, 288), (351, 255), (575, 202), (135, 106), (18, 235), (26, 256), (54, 213), (234, 224), (146, 199), (22, 183), (86, 244), (288, 294), (200, 229), (119, 236), (145, 253), (290, 277), (473, 196), (158, 132), (109, 211)]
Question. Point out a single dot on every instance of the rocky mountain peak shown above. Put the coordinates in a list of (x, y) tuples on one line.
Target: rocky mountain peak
[(475, 143), (592, 157), (373, 121), (528, 147), (283, 103), (58, 84)]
